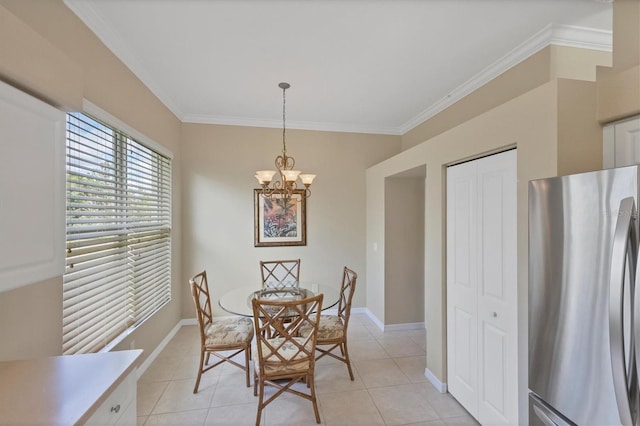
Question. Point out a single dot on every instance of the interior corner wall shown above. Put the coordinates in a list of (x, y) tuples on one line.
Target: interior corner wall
[(528, 122), (45, 41), (519, 79), (404, 250), (578, 129), (219, 163), (626, 34), (619, 87)]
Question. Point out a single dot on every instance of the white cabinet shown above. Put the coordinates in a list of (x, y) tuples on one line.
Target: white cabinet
[(621, 143), (92, 389), (120, 407), (32, 189)]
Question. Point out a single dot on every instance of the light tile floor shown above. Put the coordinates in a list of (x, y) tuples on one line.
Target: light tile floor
[(389, 387)]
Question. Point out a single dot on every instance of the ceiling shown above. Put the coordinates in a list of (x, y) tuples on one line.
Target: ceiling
[(369, 66)]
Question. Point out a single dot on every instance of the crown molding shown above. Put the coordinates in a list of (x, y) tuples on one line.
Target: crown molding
[(111, 40), (570, 36), (298, 125), (562, 35)]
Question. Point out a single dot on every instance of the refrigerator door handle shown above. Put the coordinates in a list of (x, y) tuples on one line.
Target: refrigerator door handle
[(546, 416), (619, 254)]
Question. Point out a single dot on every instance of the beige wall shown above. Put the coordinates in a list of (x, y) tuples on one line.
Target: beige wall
[(532, 123), (550, 109), (48, 52), (550, 62), (218, 165), (404, 249), (618, 88)]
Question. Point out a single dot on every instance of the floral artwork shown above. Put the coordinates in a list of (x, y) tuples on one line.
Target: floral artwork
[(280, 221)]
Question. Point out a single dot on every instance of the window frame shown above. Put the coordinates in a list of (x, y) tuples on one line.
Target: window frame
[(151, 245)]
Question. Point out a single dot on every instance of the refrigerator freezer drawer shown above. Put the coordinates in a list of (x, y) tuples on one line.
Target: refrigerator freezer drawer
[(542, 415)]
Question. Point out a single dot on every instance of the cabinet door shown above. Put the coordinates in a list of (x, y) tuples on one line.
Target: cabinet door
[(621, 143), (119, 407), (32, 189)]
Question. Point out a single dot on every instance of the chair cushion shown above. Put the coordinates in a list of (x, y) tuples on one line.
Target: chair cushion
[(330, 328), (229, 331), (288, 351)]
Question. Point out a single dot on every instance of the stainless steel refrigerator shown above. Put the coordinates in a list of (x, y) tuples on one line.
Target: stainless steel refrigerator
[(583, 250)]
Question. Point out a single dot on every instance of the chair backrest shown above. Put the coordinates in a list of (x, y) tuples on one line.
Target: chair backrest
[(278, 324), (202, 300), (280, 273), (347, 289)]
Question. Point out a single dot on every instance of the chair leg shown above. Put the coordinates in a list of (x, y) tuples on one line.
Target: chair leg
[(255, 383), (312, 387), (260, 403), (347, 360), (247, 357), (200, 367)]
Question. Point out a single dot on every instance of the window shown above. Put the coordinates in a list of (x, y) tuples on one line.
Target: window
[(118, 239)]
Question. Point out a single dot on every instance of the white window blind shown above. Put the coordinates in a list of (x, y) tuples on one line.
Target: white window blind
[(118, 264)]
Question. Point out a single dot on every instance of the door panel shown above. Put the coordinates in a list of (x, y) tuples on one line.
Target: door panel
[(486, 213), (494, 346), (462, 360), (491, 196), (465, 363)]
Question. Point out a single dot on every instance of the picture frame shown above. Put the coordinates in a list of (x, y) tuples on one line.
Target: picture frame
[(280, 222)]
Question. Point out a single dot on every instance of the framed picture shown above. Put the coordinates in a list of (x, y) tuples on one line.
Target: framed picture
[(280, 222)]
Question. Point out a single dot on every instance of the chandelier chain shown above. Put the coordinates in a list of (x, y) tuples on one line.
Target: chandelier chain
[(284, 126)]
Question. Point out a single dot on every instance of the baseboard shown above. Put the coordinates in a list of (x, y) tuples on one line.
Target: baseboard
[(152, 357), (375, 319), (189, 321), (404, 327), (441, 387), (391, 327)]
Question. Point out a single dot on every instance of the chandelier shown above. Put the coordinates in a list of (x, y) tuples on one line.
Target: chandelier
[(286, 185)]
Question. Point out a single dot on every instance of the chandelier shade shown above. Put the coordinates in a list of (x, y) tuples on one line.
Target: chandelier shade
[(286, 177)]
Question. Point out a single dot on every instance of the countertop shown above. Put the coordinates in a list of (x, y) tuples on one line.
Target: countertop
[(63, 390)]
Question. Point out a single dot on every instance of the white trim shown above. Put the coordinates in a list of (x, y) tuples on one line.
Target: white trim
[(440, 386), (300, 125), (375, 319), (563, 35), (92, 109), (153, 355), (390, 327), (93, 20), (405, 326)]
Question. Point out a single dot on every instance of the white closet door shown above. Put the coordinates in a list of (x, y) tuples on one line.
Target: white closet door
[(621, 143), (462, 314), (481, 287)]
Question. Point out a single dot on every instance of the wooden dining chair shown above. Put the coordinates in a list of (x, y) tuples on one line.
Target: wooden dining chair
[(277, 274), (218, 334), (288, 358), (332, 331)]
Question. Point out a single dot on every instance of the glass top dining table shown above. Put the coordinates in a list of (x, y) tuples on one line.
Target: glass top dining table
[(238, 300)]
